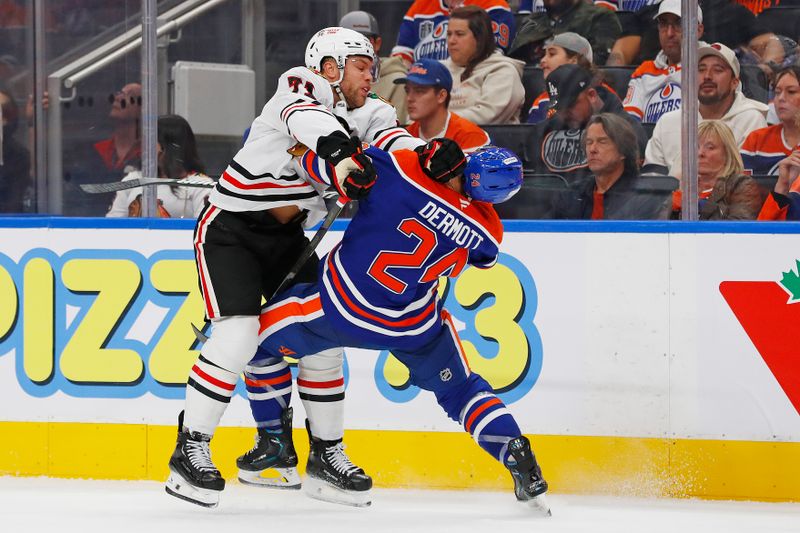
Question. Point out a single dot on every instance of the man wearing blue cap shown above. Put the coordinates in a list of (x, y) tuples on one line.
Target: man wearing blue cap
[(428, 84)]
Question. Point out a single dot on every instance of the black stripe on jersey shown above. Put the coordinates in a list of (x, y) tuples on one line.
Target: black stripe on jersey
[(268, 197), (206, 361), (321, 398), (299, 110), (209, 393), (389, 144), (298, 101), (246, 173)]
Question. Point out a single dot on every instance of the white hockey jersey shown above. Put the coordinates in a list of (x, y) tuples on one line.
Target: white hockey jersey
[(264, 174)]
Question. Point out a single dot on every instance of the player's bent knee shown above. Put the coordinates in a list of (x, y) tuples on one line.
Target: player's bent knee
[(326, 361), (233, 342)]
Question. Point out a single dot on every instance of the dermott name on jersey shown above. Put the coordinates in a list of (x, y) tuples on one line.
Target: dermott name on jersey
[(451, 226)]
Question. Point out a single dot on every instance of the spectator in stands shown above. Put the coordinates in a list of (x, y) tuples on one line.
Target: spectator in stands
[(783, 203), (423, 32), (574, 98), (764, 149), (177, 158), (564, 48), (655, 87), (597, 24), (14, 159), (725, 193), (611, 191), (107, 160), (719, 97), (391, 68), (428, 86), (724, 21), (487, 86)]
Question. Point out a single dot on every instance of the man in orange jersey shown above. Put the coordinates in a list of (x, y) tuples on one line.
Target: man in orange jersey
[(428, 85)]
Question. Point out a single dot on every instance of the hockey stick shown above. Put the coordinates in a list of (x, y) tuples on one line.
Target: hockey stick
[(96, 188), (333, 214)]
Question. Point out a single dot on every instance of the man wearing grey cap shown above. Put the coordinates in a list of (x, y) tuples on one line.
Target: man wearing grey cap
[(391, 68), (720, 98), (655, 87)]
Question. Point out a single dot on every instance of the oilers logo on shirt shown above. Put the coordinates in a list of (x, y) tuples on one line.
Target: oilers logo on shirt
[(562, 151), (433, 41), (666, 100)]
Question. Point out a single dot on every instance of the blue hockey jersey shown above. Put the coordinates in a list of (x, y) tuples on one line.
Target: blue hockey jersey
[(380, 283)]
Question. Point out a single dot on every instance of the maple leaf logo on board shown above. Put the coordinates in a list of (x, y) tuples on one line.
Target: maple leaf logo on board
[(761, 307)]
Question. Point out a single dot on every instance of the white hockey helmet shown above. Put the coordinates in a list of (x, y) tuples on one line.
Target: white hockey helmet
[(339, 44)]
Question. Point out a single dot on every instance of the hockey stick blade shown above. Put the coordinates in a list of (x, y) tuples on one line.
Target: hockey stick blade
[(310, 247), (98, 188)]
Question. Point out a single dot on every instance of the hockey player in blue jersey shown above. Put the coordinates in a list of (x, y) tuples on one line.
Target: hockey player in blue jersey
[(428, 215)]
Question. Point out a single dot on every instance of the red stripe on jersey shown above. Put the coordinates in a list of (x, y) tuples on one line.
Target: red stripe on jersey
[(478, 411), (320, 384), (288, 309), (200, 236), (266, 185), (269, 381), (387, 136), (407, 322), (211, 379), (288, 110)]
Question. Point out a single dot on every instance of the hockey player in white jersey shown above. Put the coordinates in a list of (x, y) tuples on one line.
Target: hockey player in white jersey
[(251, 233)]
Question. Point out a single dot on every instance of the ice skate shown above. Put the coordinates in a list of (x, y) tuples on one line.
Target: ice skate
[(332, 477), (272, 462), (193, 477), (529, 485)]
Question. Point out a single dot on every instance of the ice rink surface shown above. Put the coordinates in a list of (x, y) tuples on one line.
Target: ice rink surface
[(55, 505)]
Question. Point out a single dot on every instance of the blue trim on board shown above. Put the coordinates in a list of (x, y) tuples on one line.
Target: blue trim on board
[(511, 226)]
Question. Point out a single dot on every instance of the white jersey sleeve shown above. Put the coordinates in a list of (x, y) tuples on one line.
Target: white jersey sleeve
[(376, 123)]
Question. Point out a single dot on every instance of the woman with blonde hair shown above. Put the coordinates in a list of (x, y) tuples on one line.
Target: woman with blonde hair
[(725, 193)]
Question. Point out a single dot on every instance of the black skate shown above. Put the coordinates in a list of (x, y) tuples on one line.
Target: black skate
[(332, 477), (273, 452), (193, 477), (529, 485)]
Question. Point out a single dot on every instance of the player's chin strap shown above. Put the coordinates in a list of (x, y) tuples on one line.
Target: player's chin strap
[(333, 214), (340, 107)]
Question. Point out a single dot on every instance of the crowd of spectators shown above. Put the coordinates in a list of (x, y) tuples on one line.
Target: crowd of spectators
[(462, 65), (747, 76)]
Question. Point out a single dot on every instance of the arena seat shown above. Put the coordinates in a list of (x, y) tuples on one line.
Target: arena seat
[(519, 138), (766, 182), (536, 198), (533, 82), (648, 128), (618, 78), (754, 83)]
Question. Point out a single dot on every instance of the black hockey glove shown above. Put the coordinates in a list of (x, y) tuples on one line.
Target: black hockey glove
[(354, 173), (441, 159)]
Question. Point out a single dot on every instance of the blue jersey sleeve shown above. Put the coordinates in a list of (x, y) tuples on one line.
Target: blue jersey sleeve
[(503, 26)]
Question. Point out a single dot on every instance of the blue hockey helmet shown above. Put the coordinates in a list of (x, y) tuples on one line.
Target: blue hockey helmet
[(492, 175)]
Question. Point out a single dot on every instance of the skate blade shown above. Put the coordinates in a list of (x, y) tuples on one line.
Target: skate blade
[(287, 478), (539, 504), (319, 490), (180, 488)]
